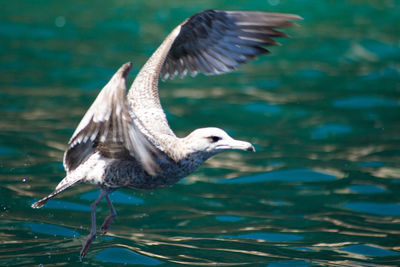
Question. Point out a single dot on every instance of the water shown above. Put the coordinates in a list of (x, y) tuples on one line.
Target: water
[(322, 110)]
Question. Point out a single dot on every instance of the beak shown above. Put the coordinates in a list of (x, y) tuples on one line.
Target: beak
[(241, 145)]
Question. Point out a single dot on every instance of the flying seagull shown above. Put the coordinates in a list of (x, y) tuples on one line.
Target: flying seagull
[(125, 140)]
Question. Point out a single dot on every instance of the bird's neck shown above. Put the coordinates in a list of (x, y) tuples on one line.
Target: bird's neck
[(189, 160), (189, 151), (181, 151)]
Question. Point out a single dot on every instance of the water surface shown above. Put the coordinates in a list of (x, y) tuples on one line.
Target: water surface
[(323, 112)]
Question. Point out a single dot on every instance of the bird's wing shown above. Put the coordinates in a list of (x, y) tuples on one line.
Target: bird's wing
[(217, 41), (108, 127), (210, 42)]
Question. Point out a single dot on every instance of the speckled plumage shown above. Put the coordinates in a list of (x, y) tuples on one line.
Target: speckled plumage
[(125, 140)]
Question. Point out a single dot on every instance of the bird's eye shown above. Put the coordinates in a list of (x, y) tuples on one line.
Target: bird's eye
[(215, 139)]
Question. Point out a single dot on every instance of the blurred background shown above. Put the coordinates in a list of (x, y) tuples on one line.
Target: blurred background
[(323, 112)]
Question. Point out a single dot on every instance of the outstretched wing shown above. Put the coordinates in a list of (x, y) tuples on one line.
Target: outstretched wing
[(108, 127), (210, 42), (217, 41)]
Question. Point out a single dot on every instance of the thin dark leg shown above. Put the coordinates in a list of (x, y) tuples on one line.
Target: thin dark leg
[(108, 221), (92, 234)]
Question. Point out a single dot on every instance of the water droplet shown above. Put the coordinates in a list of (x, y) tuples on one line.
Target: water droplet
[(60, 21), (273, 2)]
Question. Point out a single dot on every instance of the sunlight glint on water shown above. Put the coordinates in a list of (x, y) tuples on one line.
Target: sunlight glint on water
[(322, 111)]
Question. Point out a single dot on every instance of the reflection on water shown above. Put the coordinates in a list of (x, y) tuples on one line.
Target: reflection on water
[(125, 256), (65, 205), (322, 111), (116, 197), (375, 208), (267, 237), (356, 102), (330, 129), (51, 229), (367, 189), (287, 176), (289, 263), (369, 250), (228, 218)]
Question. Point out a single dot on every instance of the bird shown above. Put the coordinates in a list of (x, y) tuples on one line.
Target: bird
[(124, 139)]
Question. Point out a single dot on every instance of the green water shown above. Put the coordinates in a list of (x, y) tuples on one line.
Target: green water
[(323, 112)]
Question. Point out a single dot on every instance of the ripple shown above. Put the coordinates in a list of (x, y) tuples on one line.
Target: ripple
[(310, 73), (296, 175), (301, 248), (270, 84), (272, 237), (381, 48), (298, 263), (367, 189), (65, 205), (389, 209), (6, 150), (388, 72), (330, 129), (125, 256), (229, 218), (372, 164), (50, 229), (365, 102), (116, 197), (369, 250), (264, 108)]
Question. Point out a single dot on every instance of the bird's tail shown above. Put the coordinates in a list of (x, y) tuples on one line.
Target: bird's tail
[(64, 184)]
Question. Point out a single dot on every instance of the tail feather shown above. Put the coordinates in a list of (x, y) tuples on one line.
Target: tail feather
[(61, 187)]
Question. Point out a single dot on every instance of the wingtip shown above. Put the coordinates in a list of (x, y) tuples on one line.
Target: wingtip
[(294, 17), (124, 69)]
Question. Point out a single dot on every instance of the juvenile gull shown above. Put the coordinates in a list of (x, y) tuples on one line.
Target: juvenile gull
[(125, 140)]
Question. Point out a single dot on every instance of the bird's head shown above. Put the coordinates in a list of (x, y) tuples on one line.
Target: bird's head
[(210, 141)]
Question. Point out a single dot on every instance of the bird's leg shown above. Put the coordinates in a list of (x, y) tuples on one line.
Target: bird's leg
[(92, 234), (108, 221)]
